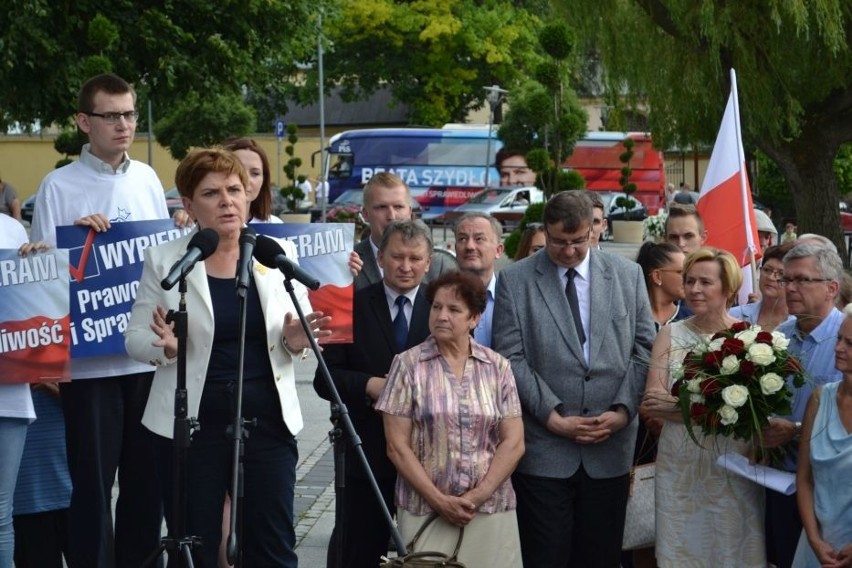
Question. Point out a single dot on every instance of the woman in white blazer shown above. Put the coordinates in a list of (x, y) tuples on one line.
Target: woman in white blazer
[(212, 185)]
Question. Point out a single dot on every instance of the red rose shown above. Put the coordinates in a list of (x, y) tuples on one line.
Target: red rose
[(718, 335), (710, 386), (676, 388), (747, 368), (697, 410), (714, 358), (740, 326), (733, 346), (764, 337)]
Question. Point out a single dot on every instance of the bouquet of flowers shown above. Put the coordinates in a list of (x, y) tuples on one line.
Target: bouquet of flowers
[(732, 384), (344, 214), (654, 227)]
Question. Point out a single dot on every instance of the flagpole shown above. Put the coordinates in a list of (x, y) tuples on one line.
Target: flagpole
[(743, 181)]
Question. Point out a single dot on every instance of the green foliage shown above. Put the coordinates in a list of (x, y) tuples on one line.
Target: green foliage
[(203, 120), (557, 40), (794, 67), (435, 57), (70, 142), (168, 49), (62, 162), (291, 192), (627, 187)]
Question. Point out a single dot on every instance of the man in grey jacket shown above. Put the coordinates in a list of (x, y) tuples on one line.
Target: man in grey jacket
[(576, 325)]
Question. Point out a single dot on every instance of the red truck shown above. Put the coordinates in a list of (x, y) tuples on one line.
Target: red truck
[(596, 155)]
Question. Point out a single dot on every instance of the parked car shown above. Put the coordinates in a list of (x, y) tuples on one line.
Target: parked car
[(506, 204), (354, 198), (615, 213), (27, 208)]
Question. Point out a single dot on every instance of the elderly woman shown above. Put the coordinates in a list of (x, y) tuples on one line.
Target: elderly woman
[(704, 515), (212, 185), (771, 310), (825, 465), (453, 425)]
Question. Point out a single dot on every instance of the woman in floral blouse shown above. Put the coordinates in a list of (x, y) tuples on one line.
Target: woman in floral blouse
[(453, 425)]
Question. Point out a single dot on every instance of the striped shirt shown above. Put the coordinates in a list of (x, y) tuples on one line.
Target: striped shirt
[(455, 421)]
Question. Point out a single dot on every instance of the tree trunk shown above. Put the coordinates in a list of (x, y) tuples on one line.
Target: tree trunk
[(808, 167)]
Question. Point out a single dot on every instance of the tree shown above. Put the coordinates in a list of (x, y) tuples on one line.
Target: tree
[(436, 57), (544, 119), (172, 51), (794, 67)]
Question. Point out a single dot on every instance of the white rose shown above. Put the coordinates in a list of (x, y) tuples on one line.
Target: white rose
[(728, 415), (677, 371), (730, 365), (735, 395), (779, 340), (770, 383), (693, 385), (696, 398), (761, 354), (748, 336), (716, 344)]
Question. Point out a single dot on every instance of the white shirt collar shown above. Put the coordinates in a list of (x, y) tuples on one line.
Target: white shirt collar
[(89, 159)]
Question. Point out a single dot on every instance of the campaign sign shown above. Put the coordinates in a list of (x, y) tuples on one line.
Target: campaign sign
[(35, 339), (323, 250), (105, 269)]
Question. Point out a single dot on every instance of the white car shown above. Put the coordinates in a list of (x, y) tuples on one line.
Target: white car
[(506, 204)]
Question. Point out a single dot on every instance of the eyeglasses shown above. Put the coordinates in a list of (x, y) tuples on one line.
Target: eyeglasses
[(562, 243), (114, 117), (801, 280), (767, 271)]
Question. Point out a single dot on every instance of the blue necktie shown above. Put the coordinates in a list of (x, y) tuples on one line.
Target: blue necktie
[(400, 324)]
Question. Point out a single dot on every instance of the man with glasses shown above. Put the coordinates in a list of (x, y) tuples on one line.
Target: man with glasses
[(812, 274), (577, 328), (103, 403)]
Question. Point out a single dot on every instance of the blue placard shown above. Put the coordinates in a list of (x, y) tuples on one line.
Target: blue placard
[(279, 128)]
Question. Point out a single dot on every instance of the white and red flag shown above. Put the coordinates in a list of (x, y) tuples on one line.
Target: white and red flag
[(725, 203)]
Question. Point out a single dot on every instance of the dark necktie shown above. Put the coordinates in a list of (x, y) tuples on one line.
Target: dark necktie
[(400, 324), (574, 304)]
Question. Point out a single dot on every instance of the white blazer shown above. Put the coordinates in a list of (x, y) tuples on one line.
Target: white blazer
[(274, 300)]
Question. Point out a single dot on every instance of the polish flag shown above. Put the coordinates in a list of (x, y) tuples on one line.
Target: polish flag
[(725, 203)]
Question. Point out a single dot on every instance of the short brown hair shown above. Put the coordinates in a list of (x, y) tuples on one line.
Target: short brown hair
[(570, 208), (202, 161), (261, 207), (468, 288), (679, 210), (386, 180), (729, 269), (106, 83)]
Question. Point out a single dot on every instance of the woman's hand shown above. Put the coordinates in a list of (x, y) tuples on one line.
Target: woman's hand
[(165, 332), (294, 335), (659, 404), (355, 264), (456, 510), (827, 556), (845, 556)]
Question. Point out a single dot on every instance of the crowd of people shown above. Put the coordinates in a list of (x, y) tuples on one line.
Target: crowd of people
[(511, 403)]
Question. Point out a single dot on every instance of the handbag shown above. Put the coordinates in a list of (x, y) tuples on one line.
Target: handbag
[(639, 524), (425, 559)]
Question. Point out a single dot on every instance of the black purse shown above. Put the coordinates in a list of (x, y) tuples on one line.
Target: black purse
[(426, 559)]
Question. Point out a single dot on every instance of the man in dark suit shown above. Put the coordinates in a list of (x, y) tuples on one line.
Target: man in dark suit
[(387, 199), (359, 372), (576, 325)]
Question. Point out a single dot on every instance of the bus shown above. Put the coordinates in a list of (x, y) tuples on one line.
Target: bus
[(596, 155), (443, 167)]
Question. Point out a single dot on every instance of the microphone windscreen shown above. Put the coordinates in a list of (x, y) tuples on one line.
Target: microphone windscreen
[(266, 250), (206, 241)]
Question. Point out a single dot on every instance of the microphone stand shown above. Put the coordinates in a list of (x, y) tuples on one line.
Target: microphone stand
[(178, 545), (238, 433), (340, 415)]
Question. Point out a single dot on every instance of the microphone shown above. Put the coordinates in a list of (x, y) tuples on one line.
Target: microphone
[(247, 240), (202, 245), (270, 254)]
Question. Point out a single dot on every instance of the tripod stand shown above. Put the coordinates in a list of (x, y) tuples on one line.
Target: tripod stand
[(179, 546)]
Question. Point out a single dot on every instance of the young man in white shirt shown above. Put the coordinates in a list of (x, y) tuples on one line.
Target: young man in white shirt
[(103, 404)]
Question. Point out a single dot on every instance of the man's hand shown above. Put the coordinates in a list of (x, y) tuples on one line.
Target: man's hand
[(779, 432), (96, 221), (577, 428)]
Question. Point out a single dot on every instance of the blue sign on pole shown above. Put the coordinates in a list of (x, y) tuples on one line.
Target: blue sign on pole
[(279, 128)]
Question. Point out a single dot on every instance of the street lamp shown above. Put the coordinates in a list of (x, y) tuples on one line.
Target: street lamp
[(494, 98)]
